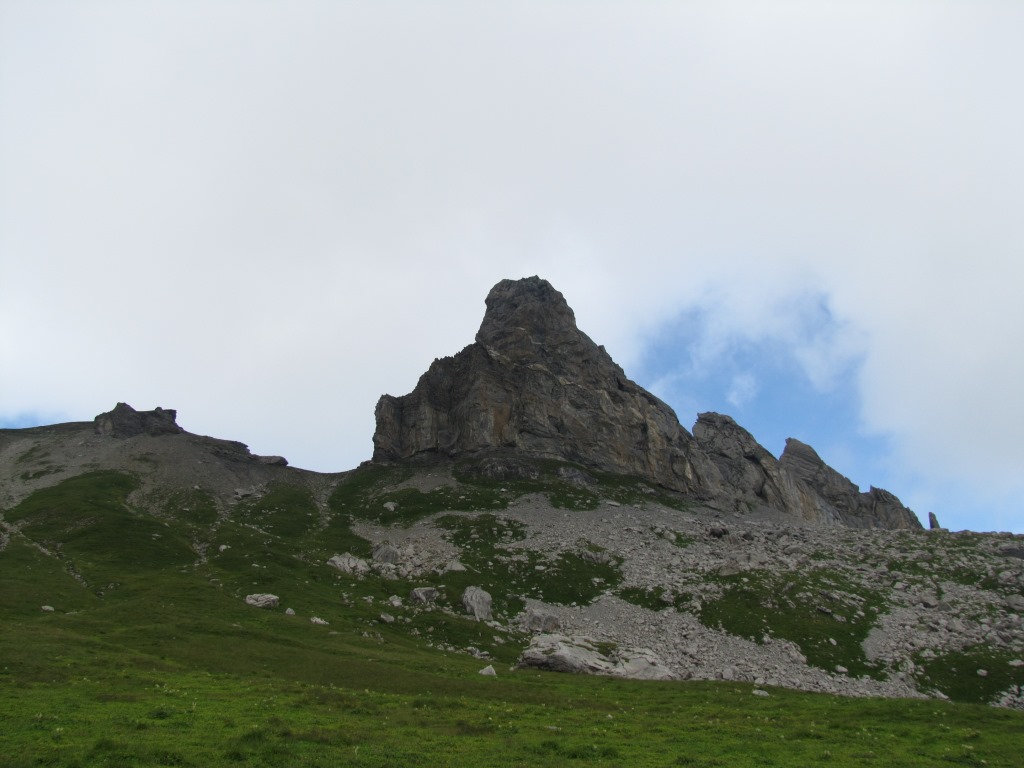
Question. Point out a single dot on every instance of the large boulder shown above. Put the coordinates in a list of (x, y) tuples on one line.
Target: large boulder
[(424, 595), (349, 564), (584, 655), (386, 554), (539, 621), (477, 602), (263, 600)]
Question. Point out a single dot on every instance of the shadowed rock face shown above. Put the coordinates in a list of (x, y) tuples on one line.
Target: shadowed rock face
[(534, 385)]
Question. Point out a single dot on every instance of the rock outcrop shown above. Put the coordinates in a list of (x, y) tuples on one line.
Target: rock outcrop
[(837, 498), (477, 602), (584, 655), (533, 385), (125, 421), (262, 600), (800, 482)]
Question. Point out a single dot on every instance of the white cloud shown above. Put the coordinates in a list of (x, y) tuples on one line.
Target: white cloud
[(742, 390), (268, 214)]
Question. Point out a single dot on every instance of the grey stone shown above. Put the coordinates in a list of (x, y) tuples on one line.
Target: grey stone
[(386, 554), (488, 671), (477, 602), (540, 621), (262, 600), (349, 564), (273, 461), (583, 655), (424, 595)]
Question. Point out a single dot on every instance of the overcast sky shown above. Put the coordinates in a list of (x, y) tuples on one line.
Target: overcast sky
[(807, 215)]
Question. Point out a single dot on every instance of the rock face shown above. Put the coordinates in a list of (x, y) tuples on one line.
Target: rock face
[(799, 482), (533, 385), (838, 499), (125, 421)]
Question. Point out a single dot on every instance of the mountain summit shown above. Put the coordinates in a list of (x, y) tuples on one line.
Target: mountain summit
[(534, 386)]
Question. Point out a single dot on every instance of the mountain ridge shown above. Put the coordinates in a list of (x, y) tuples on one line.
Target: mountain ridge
[(533, 383)]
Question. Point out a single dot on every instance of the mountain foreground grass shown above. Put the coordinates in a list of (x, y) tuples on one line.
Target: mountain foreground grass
[(151, 657)]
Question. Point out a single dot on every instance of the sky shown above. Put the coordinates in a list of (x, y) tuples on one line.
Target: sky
[(266, 214)]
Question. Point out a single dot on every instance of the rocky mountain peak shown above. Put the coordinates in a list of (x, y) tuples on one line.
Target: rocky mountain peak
[(528, 318), (534, 385)]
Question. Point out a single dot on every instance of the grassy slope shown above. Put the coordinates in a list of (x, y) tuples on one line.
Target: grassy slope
[(152, 658)]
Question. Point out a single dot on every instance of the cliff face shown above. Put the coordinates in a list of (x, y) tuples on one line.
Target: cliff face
[(534, 385)]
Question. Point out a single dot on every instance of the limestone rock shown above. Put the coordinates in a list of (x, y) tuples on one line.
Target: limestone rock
[(488, 671), (349, 564), (933, 521), (263, 600), (841, 500), (386, 554), (541, 621), (583, 655), (534, 385), (477, 602), (125, 421), (424, 595)]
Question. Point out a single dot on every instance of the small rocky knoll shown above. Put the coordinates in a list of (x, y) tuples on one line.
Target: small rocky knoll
[(533, 385), (147, 444)]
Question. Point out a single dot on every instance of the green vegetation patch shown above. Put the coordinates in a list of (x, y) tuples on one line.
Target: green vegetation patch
[(122, 714), (284, 510), (369, 494), (86, 521), (823, 612), (976, 674), (194, 506)]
